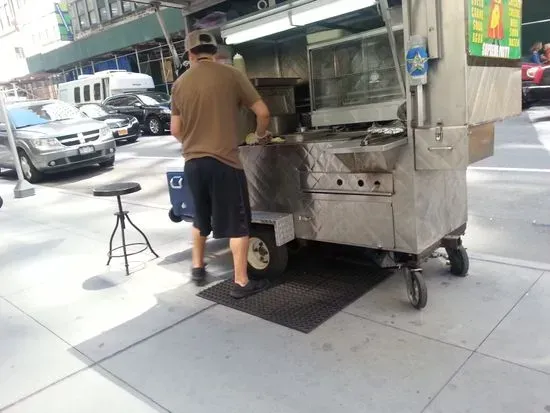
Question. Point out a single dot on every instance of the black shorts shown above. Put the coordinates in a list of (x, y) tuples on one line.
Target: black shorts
[(220, 194)]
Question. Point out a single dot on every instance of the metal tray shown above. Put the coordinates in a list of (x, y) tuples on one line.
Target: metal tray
[(274, 81)]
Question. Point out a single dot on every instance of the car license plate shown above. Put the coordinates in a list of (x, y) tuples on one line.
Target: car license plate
[(123, 132), (85, 150)]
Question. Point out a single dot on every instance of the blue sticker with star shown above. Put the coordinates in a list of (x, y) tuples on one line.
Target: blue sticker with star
[(417, 61)]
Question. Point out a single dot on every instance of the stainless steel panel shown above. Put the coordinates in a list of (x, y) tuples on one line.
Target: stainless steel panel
[(343, 221), (382, 111), (274, 81), (283, 225), (374, 183), (494, 93), (283, 124), (287, 60), (481, 142), (441, 149), (440, 200)]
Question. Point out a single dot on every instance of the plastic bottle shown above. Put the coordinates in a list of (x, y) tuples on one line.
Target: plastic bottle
[(239, 63)]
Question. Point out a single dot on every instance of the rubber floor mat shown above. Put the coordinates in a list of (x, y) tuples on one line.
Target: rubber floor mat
[(303, 299)]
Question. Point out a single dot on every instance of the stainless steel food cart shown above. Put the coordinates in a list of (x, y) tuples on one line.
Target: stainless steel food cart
[(401, 196)]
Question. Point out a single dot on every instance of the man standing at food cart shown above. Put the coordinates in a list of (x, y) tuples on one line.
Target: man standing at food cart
[(205, 114)]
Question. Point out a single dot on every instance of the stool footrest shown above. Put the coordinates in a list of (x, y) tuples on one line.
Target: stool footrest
[(144, 246)]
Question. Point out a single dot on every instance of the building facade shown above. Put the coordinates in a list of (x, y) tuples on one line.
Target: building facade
[(89, 16), (27, 27), (120, 34)]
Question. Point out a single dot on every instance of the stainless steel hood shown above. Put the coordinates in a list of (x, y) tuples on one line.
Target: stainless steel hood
[(287, 16)]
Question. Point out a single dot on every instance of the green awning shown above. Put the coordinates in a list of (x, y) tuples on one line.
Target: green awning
[(113, 38)]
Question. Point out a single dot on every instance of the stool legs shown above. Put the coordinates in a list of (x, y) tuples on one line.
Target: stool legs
[(121, 217), (143, 235), (111, 240)]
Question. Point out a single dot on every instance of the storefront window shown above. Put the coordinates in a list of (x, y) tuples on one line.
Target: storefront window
[(113, 4), (103, 15), (127, 6), (93, 18)]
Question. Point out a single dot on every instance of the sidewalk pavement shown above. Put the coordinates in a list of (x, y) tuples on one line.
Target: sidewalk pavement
[(76, 336)]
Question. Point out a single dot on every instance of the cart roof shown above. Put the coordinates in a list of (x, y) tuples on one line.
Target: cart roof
[(187, 6)]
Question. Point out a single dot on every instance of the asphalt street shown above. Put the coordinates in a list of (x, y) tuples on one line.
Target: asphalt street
[(509, 193)]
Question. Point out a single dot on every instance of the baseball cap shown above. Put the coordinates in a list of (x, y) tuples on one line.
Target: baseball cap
[(199, 38)]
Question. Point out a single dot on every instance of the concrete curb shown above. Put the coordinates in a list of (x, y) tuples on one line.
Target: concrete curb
[(533, 265)]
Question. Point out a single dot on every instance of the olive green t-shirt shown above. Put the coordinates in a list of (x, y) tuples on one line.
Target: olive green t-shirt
[(208, 98)]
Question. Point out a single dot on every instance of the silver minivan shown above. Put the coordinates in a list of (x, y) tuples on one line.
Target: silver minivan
[(53, 136)]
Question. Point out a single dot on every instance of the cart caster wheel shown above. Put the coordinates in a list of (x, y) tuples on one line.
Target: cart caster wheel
[(265, 258), (460, 263), (416, 288), (173, 217)]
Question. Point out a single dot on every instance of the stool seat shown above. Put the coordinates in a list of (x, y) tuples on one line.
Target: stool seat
[(117, 189)]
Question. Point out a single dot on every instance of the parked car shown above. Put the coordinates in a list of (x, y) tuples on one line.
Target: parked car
[(52, 136), (152, 109), (535, 85), (124, 127)]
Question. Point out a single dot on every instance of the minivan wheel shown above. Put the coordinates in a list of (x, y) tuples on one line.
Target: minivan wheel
[(154, 126), (30, 173)]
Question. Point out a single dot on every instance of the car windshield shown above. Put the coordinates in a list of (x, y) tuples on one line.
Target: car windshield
[(93, 111), (154, 98), (39, 113)]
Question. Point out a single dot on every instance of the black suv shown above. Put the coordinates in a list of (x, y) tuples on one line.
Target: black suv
[(151, 109)]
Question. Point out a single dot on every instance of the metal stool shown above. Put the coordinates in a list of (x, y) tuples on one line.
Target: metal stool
[(119, 189)]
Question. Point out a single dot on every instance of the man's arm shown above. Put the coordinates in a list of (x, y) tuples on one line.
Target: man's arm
[(250, 98), (175, 127), (175, 120), (263, 117)]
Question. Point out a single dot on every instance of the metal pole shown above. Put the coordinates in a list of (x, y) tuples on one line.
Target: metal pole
[(173, 51), (137, 60), (22, 188), (116, 63), (163, 70), (384, 8), (185, 23)]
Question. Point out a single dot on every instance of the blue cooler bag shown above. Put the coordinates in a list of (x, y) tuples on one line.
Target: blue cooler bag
[(183, 208)]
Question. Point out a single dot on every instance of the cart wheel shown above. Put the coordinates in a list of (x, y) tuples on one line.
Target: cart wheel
[(173, 217), (460, 263), (416, 288), (265, 258)]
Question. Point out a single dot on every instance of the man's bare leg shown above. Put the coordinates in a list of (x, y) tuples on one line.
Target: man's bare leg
[(199, 243), (198, 273), (244, 287), (239, 248)]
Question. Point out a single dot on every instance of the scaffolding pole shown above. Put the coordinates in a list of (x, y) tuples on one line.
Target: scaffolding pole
[(173, 51)]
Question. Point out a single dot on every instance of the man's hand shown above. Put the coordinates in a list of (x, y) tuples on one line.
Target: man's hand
[(255, 139), (262, 118), (264, 140)]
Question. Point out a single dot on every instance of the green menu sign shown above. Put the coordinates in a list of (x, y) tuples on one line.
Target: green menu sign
[(494, 28)]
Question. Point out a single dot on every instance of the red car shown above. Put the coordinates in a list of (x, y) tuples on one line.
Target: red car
[(536, 84)]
